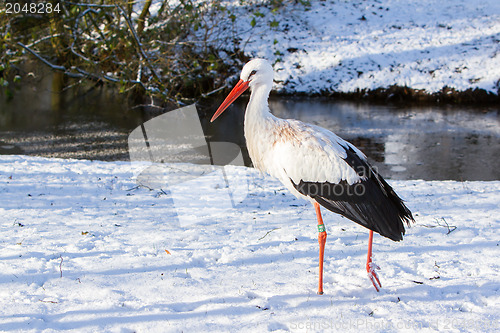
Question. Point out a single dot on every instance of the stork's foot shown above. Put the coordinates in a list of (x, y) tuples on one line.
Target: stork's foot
[(372, 275)]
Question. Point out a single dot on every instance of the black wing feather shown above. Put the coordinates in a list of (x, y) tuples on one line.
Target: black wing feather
[(372, 202)]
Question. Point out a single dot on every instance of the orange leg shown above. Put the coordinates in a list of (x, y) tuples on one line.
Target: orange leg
[(370, 266), (321, 241)]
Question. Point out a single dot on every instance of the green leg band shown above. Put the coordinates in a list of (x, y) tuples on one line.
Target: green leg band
[(321, 228)]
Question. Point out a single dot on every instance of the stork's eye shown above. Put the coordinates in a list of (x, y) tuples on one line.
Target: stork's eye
[(252, 73)]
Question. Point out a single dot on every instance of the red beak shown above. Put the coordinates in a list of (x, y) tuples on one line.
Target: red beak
[(240, 87)]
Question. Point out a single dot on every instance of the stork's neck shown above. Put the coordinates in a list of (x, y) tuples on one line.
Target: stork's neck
[(259, 124), (257, 112)]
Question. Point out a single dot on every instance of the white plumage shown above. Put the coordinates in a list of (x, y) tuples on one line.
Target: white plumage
[(322, 154), (314, 163), (275, 145)]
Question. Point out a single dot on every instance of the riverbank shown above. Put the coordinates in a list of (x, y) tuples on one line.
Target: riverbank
[(417, 50), (426, 51)]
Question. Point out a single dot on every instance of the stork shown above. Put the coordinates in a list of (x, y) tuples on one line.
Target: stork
[(317, 165)]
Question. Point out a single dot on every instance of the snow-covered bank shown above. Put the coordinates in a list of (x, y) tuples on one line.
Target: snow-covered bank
[(343, 46), (84, 249)]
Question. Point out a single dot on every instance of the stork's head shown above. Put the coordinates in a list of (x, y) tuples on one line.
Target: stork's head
[(256, 72)]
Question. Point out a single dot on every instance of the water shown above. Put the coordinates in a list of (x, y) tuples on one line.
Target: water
[(431, 143), (414, 142)]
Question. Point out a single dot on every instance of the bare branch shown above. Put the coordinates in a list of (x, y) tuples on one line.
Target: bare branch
[(139, 45), (88, 4), (81, 73), (142, 17), (43, 39), (55, 67), (75, 38), (214, 91)]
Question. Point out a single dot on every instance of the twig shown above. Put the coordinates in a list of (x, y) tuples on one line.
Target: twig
[(450, 228), (43, 39), (267, 233), (133, 188), (88, 4), (72, 85), (214, 91), (145, 186), (60, 264), (175, 42), (53, 302), (147, 105)]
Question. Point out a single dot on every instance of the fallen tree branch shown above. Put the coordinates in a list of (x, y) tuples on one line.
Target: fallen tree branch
[(46, 62)]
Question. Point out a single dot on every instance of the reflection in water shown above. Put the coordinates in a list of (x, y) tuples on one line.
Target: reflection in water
[(414, 142), (82, 122), (403, 143)]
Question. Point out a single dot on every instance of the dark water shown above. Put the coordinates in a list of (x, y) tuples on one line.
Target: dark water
[(432, 143), (413, 142)]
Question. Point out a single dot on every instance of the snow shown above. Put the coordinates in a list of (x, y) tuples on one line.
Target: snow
[(85, 249), (344, 46)]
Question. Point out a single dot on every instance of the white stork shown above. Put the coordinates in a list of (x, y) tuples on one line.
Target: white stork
[(317, 165)]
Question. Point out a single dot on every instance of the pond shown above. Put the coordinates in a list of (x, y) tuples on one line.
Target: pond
[(413, 142)]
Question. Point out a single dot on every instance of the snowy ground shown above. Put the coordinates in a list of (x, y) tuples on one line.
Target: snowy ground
[(84, 249), (367, 44)]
